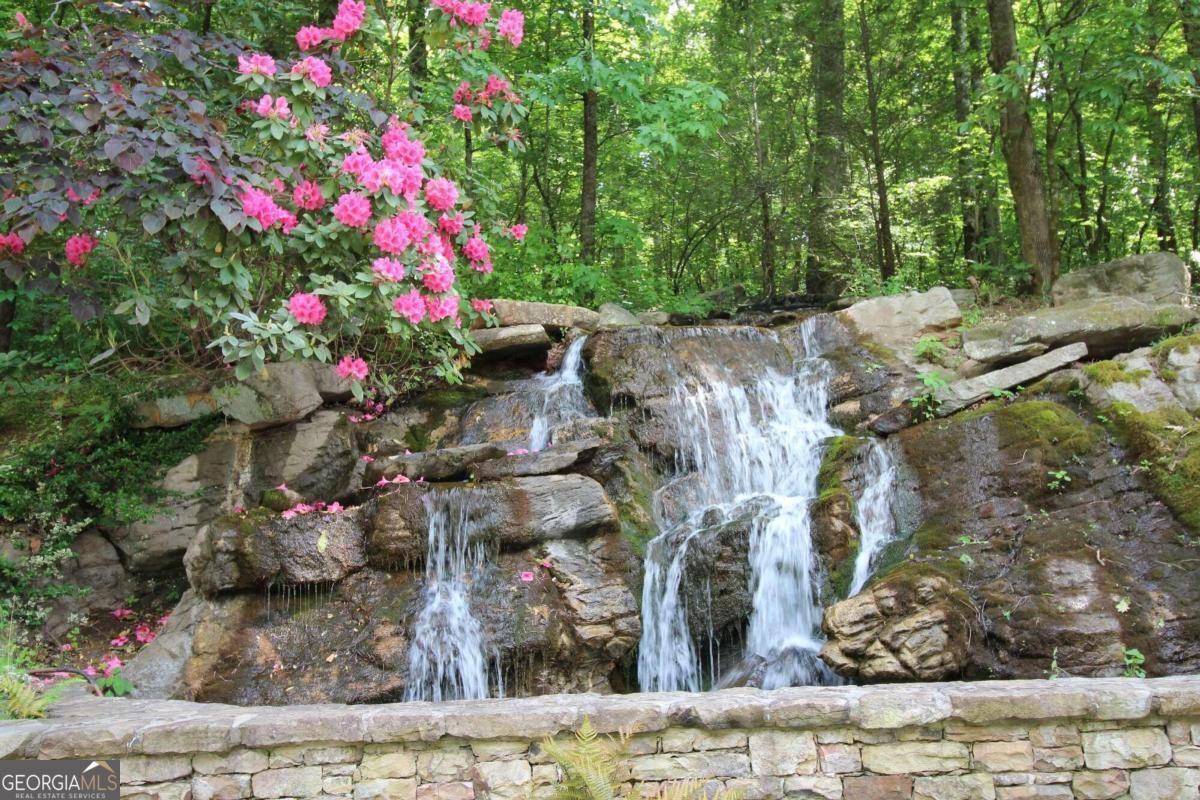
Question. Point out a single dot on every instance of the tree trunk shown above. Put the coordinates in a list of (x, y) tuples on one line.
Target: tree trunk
[(1189, 11), (828, 175), (1160, 206), (968, 190), (418, 53), (883, 227), (587, 194), (8, 310), (1039, 245)]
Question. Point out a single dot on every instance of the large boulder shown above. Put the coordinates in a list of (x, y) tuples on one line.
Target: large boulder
[(279, 393), (1107, 325), (1150, 277), (446, 464), (551, 315), (317, 458), (512, 340), (95, 568), (1052, 542), (615, 316), (896, 322), (261, 548), (514, 513)]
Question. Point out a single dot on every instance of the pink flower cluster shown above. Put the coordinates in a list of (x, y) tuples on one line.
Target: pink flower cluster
[(398, 146), (349, 18), (300, 509), (512, 26), (441, 194), (471, 14), (11, 244), (273, 107), (307, 308), (352, 210), (389, 269), (256, 64), (260, 205), (315, 69), (78, 247), (352, 367), (307, 195)]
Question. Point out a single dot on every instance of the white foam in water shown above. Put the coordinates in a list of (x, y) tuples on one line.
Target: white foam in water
[(562, 396), (446, 657), (873, 512), (746, 442)]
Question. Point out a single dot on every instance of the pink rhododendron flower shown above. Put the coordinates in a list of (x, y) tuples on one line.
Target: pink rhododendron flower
[(476, 249), (315, 70), (307, 308), (438, 280), (273, 107), (389, 269), (22, 21), (119, 641), (90, 671), (287, 220), (518, 231), (410, 306), (111, 665), (451, 225), (12, 243), (401, 479), (78, 247), (122, 613), (482, 306), (526, 577), (350, 15), (307, 195), (143, 634), (475, 14), (316, 133), (261, 206), (410, 152), (463, 113), (463, 93), (310, 36), (333, 508), (440, 308), (66, 647), (520, 451), (512, 26), (164, 619), (441, 194), (355, 163), (391, 236), (383, 482), (352, 367), (368, 459), (352, 210), (256, 64)]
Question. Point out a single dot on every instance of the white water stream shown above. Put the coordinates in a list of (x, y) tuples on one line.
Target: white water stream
[(754, 446), (562, 397)]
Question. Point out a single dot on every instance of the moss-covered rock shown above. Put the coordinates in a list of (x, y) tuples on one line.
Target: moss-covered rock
[(1166, 446), (1106, 373)]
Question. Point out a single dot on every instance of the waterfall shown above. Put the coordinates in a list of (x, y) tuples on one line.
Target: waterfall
[(562, 397), (446, 656), (873, 512), (759, 443)]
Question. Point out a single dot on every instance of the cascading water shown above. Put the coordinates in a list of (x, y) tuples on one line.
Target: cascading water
[(747, 447), (873, 512), (562, 397), (446, 657)]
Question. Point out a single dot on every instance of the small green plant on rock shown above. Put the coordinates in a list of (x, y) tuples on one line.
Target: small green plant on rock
[(591, 765), (926, 404), (931, 349), (1058, 480), (1133, 663)]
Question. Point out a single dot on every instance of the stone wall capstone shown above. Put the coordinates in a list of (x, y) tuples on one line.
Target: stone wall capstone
[(1087, 739)]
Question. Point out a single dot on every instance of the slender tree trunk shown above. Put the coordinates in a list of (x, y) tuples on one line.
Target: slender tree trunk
[(1160, 206), (968, 189), (1039, 244), (418, 53), (883, 227), (1100, 236), (1189, 11), (767, 251), (828, 176), (8, 310), (587, 194)]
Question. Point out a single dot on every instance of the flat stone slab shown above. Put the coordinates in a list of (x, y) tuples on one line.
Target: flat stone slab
[(434, 465), (559, 458), (513, 339), (524, 312), (88, 727), (1152, 277)]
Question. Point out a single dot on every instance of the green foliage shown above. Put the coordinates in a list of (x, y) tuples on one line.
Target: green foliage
[(591, 767), (1133, 663), (1059, 478), (114, 685), (931, 349), (71, 460)]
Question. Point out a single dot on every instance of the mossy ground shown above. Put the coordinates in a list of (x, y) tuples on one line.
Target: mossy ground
[(1059, 433), (1106, 373)]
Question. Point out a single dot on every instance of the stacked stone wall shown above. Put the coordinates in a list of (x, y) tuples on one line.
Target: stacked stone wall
[(1101, 739)]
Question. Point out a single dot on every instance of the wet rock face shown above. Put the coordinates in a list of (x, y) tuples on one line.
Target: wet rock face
[(1033, 543)]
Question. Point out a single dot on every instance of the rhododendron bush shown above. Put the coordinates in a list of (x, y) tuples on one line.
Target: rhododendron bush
[(293, 216)]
